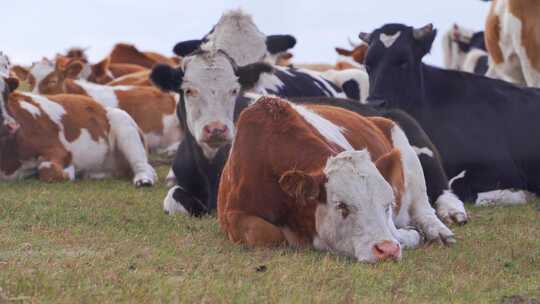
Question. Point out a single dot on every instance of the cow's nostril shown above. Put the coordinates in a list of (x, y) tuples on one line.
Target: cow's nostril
[(386, 250)]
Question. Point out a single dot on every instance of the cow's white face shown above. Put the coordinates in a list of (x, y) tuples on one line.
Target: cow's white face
[(356, 220), (210, 89), (237, 35), (39, 72)]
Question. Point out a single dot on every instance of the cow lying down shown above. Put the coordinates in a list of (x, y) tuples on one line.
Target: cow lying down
[(62, 137), (325, 177)]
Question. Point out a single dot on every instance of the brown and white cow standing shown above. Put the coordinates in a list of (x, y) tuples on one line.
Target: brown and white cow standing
[(513, 41), (295, 176), (67, 136), (153, 110)]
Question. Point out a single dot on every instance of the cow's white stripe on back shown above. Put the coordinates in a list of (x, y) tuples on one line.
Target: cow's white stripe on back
[(327, 129), (388, 40), (30, 108), (424, 150), (54, 110), (102, 94)]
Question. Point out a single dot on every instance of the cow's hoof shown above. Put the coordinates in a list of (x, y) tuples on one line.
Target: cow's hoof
[(144, 183), (171, 205), (450, 209), (439, 234)]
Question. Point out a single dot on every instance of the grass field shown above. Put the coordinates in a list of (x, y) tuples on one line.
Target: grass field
[(107, 242)]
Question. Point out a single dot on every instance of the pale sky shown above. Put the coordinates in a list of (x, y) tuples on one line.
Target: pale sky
[(37, 28)]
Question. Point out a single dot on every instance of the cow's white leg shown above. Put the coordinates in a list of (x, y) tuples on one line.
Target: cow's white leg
[(450, 208), (503, 197), (170, 180), (407, 238), (170, 205), (415, 208), (128, 140)]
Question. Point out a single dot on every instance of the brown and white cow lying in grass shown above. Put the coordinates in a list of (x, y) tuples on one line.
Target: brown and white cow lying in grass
[(154, 111), (67, 136), (513, 41), (325, 177)]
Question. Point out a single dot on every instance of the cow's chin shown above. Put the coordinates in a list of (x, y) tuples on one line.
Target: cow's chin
[(210, 149)]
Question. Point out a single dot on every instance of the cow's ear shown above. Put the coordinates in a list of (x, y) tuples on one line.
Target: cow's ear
[(73, 69), (167, 78), (343, 52), (249, 75), (187, 47), (359, 54), (20, 72), (391, 168), (424, 37), (101, 67), (302, 186), (12, 83), (279, 43)]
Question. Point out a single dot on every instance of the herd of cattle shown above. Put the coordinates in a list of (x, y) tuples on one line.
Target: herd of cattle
[(363, 157)]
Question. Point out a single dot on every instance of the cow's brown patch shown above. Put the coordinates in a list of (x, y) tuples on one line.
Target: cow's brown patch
[(391, 168), (147, 106), (528, 12), (127, 53), (492, 35), (136, 79)]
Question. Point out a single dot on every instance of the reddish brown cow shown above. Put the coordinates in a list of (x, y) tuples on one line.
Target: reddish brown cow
[(65, 136), (293, 177)]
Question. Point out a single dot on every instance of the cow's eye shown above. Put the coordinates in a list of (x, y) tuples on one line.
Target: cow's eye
[(191, 92), (234, 91), (403, 64), (343, 209)]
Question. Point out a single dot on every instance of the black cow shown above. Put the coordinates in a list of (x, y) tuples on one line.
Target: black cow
[(482, 127)]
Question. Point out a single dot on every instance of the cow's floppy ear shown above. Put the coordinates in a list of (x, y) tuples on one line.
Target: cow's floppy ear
[(73, 69), (366, 37), (167, 78), (249, 75), (101, 67), (12, 83), (359, 54), (424, 37), (187, 47), (391, 168), (20, 72), (302, 186), (343, 52), (279, 43)]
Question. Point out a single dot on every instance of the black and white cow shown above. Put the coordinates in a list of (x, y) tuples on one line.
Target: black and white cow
[(465, 50), (239, 37), (210, 88), (482, 127)]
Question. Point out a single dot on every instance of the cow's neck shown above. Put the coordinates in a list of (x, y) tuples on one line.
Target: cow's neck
[(69, 86), (10, 158)]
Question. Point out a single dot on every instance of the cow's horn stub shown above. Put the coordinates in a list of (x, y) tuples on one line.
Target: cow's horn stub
[(366, 37), (420, 33)]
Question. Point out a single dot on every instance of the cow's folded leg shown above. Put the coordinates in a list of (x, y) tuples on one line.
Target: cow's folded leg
[(52, 171), (253, 231), (130, 144), (180, 201), (450, 209)]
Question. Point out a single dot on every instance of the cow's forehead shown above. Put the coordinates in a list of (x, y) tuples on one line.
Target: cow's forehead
[(41, 69), (356, 169), (237, 34), (209, 69)]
